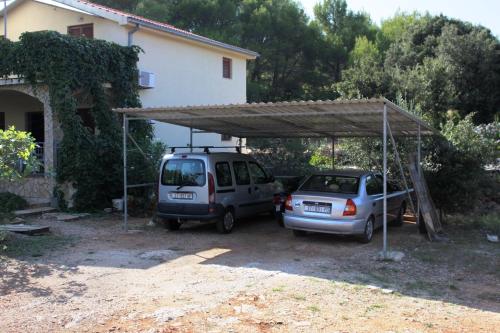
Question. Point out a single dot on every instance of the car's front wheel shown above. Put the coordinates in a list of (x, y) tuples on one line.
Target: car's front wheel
[(368, 233), (225, 224)]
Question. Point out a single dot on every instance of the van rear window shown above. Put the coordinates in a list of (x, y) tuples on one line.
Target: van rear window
[(185, 172)]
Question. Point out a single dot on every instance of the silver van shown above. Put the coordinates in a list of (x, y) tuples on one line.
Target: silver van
[(220, 187)]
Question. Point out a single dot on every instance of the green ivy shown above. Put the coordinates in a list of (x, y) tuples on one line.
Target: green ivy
[(104, 71)]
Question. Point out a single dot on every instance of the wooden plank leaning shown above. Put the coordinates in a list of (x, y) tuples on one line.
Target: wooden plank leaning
[(427, 209)]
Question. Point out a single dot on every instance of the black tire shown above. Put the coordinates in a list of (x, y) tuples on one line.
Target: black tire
[(172, 225), (299, 233), (398, 222), (225, 224), (280, 219), (368, 233)]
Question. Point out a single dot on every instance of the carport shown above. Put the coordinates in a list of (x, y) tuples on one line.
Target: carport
[(305, 119)]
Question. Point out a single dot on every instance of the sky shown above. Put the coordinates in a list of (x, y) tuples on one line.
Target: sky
[(483, 12)]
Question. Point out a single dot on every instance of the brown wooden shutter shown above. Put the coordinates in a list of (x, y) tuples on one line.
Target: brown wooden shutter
[(84, 30), (226, 68)]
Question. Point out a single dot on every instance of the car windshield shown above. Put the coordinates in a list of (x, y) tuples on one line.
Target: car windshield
[(331, 184), (185, 172)]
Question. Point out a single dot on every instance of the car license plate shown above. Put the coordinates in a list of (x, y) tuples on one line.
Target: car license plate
[(182, 195), (323, 209)]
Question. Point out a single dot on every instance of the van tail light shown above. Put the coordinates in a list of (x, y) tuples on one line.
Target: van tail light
[(350, 208), (288, 203), (211, 189)]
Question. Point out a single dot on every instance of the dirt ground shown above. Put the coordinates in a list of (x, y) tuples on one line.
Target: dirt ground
[(90, 276)]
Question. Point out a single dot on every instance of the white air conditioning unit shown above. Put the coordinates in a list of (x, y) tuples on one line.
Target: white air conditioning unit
[(146, 80)]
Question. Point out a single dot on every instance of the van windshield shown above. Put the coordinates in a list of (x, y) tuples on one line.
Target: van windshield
[(185, 172)]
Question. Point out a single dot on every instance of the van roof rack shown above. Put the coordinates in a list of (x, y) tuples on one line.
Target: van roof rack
[(206, 149)]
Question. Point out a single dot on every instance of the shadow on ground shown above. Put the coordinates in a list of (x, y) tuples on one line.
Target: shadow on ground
[(463, 271)]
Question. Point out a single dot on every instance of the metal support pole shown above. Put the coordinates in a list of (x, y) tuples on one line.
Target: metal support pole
[(191, 139), (5, 19), (333, 153), (385, 180), (125, 195), (419, 143), (240, 143)]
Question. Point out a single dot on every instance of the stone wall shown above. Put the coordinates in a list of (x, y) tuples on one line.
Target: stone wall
[(36, 190)]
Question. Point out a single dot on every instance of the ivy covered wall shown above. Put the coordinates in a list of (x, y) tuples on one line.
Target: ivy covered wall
[(106, 73)]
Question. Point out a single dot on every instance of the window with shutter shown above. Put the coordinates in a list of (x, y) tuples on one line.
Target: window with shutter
[(227, 68), (83, 30)]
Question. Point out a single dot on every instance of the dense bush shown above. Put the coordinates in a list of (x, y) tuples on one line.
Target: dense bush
[(10, 202), (488, 222), (455, 166)]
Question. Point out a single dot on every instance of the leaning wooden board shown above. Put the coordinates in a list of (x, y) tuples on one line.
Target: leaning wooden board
[(427, 208), (25, 229)]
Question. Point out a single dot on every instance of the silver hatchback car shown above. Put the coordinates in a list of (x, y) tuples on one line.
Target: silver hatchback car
[(220, 187), (348, 202)]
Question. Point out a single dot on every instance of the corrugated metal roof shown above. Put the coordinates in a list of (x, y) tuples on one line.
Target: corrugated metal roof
[(338, 118)]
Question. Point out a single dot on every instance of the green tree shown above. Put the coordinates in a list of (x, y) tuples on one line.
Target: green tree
[(211, 18), (125, 5), (341, 26), (392, 29), (16, 153), (289, 49), (365, 78)]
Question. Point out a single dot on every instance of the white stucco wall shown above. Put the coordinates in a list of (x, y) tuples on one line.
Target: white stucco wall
[(186, 73), (15, 105)]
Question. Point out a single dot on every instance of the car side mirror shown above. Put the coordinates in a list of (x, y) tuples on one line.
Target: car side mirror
[(271, 179)]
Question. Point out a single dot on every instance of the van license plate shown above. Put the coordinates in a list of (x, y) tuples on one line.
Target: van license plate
[(182, 195), (318, 209)]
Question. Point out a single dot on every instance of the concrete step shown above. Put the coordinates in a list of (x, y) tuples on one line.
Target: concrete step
[(33, 211)]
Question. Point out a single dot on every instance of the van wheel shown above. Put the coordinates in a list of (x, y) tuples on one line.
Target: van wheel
[(368, 233), (225, 224), (173, 225)]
